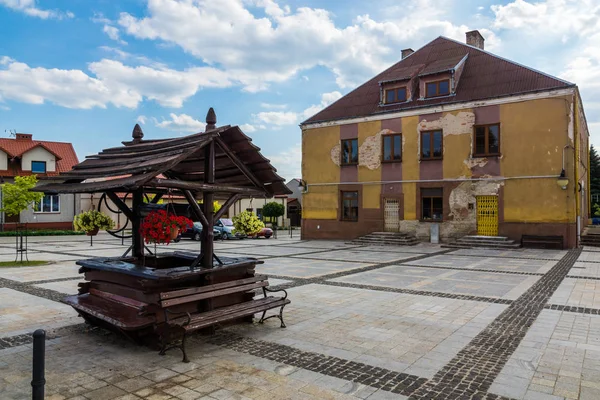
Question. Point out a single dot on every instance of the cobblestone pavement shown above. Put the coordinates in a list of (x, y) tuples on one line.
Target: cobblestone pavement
[(376, 322)]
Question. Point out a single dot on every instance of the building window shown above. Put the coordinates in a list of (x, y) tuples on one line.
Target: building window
[(432, 204), (431, 145), (349, 151), (392, 147), (396, 95), (38, 167), (259, 213), (349, 206), (50, 203), (487, 140), (438, 88)]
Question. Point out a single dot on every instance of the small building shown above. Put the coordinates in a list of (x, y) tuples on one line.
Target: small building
[(21, 156), (451, 135), (294, 202)]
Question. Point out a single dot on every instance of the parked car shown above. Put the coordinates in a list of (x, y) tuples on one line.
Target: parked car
[(264, 232), (195, 232), (225, 228)]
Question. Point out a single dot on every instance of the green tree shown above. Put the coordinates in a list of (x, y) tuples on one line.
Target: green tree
[(273, 210), (18, 196), (594, 171), (248, 223)]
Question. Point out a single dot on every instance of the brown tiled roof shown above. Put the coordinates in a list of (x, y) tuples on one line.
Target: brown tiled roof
[(484, 76), (65, 155)]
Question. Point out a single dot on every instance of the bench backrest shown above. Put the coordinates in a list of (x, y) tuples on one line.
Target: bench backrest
[(182, 296)]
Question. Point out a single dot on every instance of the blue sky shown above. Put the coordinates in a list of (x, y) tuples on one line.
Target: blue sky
[(86, 71)]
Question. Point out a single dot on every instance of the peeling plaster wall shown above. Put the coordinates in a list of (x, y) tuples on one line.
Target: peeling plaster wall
[(459, 124), (458, 219), (336, 154)]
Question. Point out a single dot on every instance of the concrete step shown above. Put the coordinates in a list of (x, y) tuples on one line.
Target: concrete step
[(386, 239), (485, 238), (491, 242), (455, 245)]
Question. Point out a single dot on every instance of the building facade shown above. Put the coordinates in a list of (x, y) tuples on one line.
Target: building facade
[(22, 156), (451, 135)]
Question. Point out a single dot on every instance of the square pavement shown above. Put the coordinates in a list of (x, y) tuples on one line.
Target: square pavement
[(440, 280), (303, 268), (559, 358), (488, 263), (22, 313)]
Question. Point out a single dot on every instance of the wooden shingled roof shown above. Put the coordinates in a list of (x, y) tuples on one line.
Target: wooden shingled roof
[(176, 163)]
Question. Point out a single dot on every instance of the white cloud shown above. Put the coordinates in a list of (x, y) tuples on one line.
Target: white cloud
[(182, 123), (281, 118), (273, 106), (112, 82), (275, 46), (288, 162), (326, 99), (248, 128), (141, 119), (28, 7), (113, 33), (277, 118)]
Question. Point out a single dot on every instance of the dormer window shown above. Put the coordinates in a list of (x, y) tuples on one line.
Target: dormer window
[(38, 167), (438, 88), (396, 95)]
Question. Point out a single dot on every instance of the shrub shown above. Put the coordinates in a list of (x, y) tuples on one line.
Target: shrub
[(91, 220), (273, 210)]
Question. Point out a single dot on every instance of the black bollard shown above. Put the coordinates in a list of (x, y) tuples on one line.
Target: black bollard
[(39, 354)]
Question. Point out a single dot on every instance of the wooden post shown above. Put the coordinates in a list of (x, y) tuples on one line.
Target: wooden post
[(208, 198), (136, 224)]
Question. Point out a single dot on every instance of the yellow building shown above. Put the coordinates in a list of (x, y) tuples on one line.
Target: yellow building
[(453, 135)]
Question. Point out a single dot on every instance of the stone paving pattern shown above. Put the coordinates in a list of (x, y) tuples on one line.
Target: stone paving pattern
[(376, 322)]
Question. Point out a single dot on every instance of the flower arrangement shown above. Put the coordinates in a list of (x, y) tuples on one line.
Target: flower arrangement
[(92, 221), (247, 222), (162, 227)]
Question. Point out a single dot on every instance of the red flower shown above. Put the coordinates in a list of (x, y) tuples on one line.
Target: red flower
[(158, 225)]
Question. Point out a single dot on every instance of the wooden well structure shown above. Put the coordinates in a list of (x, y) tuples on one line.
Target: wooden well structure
[(221, 163)]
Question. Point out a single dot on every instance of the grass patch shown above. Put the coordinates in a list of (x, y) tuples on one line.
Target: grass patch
[(43, 232), (22, 264)]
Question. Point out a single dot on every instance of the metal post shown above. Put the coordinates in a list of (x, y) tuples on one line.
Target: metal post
[(39, 353), (137, 238), (208, 198)]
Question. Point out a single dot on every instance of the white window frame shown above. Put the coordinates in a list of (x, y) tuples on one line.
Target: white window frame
[(40, 205)]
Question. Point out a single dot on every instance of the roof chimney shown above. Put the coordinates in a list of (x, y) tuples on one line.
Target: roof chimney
[(407, 52), (475, 39), (23, 136), (211, 119)]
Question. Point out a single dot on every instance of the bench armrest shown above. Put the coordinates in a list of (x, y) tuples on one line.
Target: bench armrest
[(167, 312), (266, 289)]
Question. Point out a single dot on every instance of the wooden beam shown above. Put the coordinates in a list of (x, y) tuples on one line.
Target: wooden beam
[(204, 187), (230, 201), (209, 179), (196, 209), (121, 205), (136, 222), (238, 163)]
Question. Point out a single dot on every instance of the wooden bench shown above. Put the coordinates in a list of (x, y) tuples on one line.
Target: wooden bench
[(178, 324), (542, 242)]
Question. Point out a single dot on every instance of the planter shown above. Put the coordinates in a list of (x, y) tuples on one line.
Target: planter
[(174, 233), (93, 232)]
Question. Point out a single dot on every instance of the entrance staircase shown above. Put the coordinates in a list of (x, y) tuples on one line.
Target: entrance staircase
[(386, 239), (489, 242), (591, 236)]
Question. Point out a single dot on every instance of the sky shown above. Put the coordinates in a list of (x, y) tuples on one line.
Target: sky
[(86, 71)]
